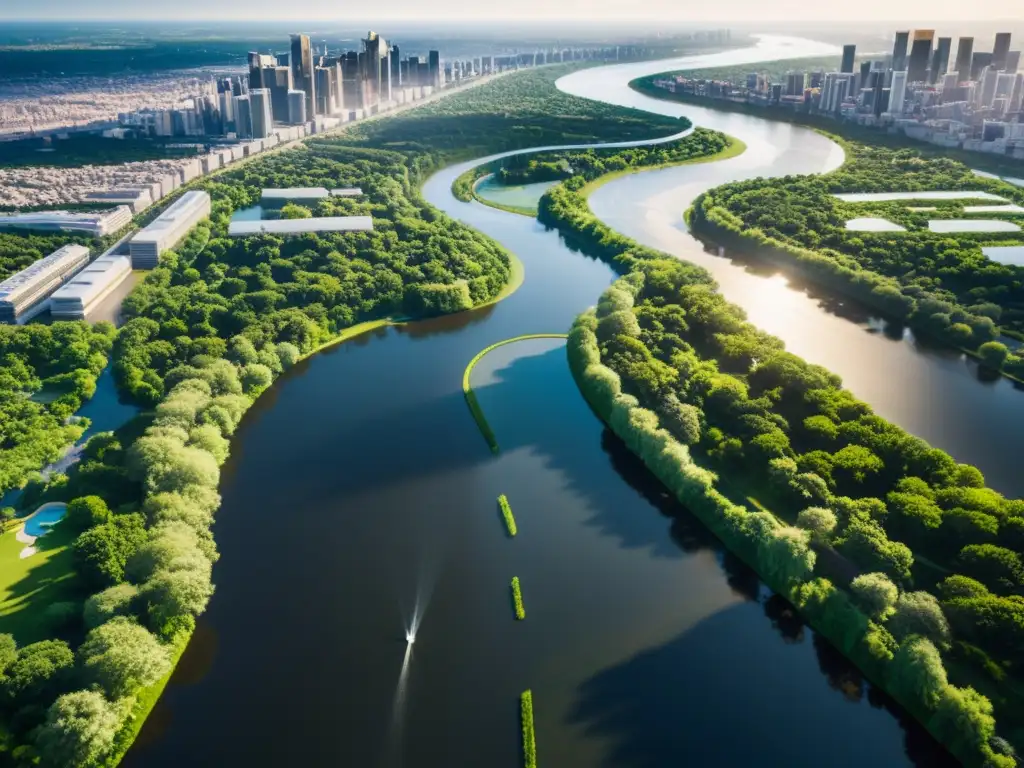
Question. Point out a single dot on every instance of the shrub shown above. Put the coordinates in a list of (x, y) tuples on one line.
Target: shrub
[(122, 656), (113, 601), (919, 613), (875, 594), (79, 730), (87, 511)]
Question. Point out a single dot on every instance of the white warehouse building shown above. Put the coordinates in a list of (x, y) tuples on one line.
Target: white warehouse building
[(25, 294), (168, 229), (96, 223), (76, 298)]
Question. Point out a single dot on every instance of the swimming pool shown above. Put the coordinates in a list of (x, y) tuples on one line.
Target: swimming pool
[(41, 522)]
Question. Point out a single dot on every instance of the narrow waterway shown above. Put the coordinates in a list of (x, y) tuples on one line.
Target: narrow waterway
[(360, 493)]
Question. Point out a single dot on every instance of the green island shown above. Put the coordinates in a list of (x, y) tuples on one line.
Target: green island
[(529, 737), (517, 599), (94, 622), (506, 513), (826, 500), (470, 395)]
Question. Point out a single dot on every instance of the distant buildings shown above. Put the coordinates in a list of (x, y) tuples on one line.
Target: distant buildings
[(168, 229), (25, 294)]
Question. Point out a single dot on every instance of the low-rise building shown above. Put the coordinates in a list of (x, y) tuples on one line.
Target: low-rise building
[(25, 294), (168, 229), (289, 227), (94, 223), (80, 295)]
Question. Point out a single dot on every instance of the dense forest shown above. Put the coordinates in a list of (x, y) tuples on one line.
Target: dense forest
[(901, 556), (940, 283)]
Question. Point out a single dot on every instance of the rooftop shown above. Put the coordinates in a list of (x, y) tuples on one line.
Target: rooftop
[(300, 226), (68, 254), (183, 207)]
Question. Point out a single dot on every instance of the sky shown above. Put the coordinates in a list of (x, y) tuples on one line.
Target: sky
[(733, 11)]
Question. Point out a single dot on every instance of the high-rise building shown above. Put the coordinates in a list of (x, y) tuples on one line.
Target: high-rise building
[(897, 92), (350, 76), (301, 63), (1004, 85), (243, 116), (257, 63), (863, 79), (795, 83), (325, 91), (280, 84), (1017, 99), (940, 60), (964, 56), (262, 113), (849, 54), (1001, 48), (435, 69), (987, 93), (920, 55), (979, 61), (899, 52), (296, 107), (1012, 61), (376, 71), (396, 67)]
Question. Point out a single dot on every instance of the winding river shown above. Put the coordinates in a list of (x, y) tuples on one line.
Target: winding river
[(360, 494)]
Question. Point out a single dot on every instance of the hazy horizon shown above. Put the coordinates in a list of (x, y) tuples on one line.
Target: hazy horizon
[(922, 12)]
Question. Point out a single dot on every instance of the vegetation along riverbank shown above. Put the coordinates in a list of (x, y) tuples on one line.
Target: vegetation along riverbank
[(826, 500), (207, 333), (506, 513)]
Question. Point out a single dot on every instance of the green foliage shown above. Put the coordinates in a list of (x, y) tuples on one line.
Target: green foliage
[(102, 552), (122, 656), (79, 730), (919, 613), (819, 521), (529, 737), (87, 511), (517, 599), (875, 594), (113, 601), (916, 674), (997, 568), (506, 512), (41, 672)]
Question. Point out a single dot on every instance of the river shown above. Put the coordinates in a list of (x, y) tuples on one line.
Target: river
[(360, 493)]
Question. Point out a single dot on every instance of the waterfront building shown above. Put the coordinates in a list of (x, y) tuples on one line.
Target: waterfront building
[(168, 229), (80, 295), (26, 293), (94, 223)]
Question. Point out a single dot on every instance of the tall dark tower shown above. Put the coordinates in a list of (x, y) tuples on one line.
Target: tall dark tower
[(920, 55), (301, 61), (1002, 47), (940, 59), (435, 69), (849, 53), (396, 67), (899, 51), (964, 56)]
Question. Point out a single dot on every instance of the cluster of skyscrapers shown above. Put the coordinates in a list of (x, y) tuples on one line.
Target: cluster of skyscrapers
[(972, 99)]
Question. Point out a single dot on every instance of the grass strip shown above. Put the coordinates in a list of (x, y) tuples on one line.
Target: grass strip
[(517, 598), (467, 388), (506, 512), (529, 738)]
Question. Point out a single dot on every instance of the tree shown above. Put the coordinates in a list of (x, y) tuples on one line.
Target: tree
[(963, 721), (8, 653), (113, 601), (79, 730), (41, 670), (87, 511), (818, 520), (997, 568), (875, 594), (680, 419), (961, 586), (6, 515), (101, 553), (993, 354), (170, 595), (919, 613), (122, 656), (172, 546), (256, 378), (916, 675)]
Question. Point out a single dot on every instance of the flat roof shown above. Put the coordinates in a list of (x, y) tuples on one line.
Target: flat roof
[(183, 207), (93, 278), (346, 192), (296, 193), (301, 226), (63, 258)]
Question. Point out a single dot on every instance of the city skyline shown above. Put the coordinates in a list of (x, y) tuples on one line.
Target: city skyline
[(596, 10)]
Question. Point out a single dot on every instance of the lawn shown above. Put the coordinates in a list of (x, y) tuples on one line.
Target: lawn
[(28, 586)]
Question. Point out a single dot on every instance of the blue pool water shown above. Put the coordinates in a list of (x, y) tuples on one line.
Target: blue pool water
[(42, 521)]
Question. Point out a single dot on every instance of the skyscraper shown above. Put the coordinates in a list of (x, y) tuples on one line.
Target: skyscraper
[(964, 56), (396, 67), (279, 86), (897, 92), (979, 61), (375, 64), (301, 62), (435, 69), (940, 60), (899, 52), (262, 113), (849, 53), (1017, 98), (920, 55), (257, 63), (1012, 61), (296, 107), (1002, 47), (243, 117)]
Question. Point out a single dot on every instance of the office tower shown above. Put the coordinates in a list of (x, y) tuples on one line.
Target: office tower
[(1004, 85), (979, 61), (795, 84), (964, 56), (339, 86), (865, 74), (1017, 99), (279, 83), (258, 62), (243, 117), (325, 91), (899, 51), (1002, 47), (987, 93), (396, 67), (262, 113), (1012, 61), (949, 86), (296, 107), (849, 53), (435, 69), (301, 63), (897, 92), (350, 80), (920, 55), (227, 111), (376, 71), (940, 60)]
